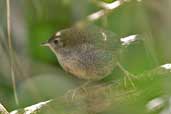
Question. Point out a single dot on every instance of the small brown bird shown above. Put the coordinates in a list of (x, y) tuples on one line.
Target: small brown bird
[(88, 52)]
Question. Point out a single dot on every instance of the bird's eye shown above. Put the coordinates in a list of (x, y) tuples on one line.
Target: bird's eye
[(56, 41)]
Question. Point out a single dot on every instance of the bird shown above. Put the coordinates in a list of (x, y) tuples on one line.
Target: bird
[(88, 52)]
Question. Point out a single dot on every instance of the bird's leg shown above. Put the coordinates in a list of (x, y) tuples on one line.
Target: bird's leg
[(73, 92), (128, 75)]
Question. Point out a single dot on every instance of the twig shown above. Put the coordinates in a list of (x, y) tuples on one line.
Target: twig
[(107, 8), (3, 110), (32, 109), (101, 13), (12, 65)]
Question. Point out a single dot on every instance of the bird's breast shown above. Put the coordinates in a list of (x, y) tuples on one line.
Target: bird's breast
[(87, 62)]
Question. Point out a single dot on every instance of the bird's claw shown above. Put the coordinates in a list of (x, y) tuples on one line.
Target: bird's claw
[(129, 77), (73, 93)]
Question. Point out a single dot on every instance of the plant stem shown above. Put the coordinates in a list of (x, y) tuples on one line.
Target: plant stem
[(11, 54), (3, 110)]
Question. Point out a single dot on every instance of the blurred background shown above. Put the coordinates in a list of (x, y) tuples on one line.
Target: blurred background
[(38, 74)]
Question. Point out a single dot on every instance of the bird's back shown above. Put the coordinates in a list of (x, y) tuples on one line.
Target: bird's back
[(91, 34), (93, 57)]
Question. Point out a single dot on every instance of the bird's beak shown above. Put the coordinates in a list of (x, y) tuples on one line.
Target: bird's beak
[(45, 44)]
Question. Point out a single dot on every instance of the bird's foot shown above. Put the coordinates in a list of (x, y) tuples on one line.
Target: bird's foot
[(72, 94), (128, 76)]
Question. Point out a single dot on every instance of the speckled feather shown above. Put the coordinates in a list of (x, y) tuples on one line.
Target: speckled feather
[(94, 35), (88, 53)]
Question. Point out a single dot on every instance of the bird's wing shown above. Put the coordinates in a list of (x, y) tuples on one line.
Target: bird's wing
[(96, 36), (102, 38)]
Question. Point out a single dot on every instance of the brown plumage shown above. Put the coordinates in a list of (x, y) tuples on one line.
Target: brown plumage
[(86, 52)]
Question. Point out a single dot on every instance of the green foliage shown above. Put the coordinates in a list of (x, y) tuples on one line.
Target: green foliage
[(40, 78), (108, 1)]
